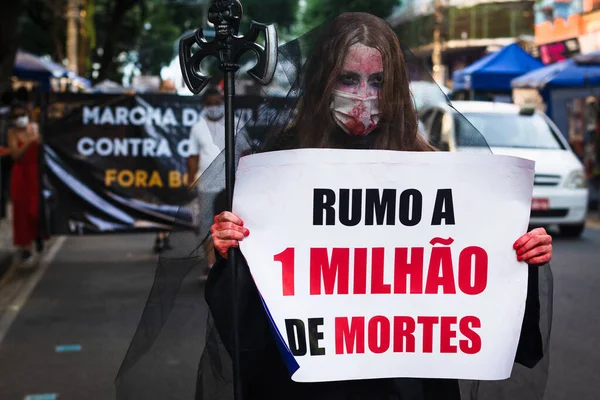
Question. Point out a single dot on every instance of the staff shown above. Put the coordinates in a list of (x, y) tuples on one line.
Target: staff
[(228, 47)]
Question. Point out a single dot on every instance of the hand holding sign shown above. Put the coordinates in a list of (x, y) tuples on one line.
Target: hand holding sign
[(227, 231), (534, 247)]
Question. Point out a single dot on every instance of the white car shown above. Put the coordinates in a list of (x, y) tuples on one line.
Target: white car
[(560, 193)]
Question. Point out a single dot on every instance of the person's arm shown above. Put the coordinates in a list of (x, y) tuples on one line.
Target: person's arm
[(530, 349), (17, 152), (36, 132)]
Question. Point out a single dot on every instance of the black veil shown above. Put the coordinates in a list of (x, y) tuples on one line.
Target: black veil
[(182, 350)]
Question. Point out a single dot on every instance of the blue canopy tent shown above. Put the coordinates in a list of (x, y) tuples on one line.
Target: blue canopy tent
[(30, 67), (578, 77), (494, 72)]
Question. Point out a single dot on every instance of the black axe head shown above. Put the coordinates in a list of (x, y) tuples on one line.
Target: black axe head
[(227, 46)]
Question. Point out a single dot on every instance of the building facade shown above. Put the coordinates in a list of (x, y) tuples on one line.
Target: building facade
[(470, 28), (562, 29), (566, 27)]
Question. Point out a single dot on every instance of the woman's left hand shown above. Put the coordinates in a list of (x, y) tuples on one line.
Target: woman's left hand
[(535, 247)]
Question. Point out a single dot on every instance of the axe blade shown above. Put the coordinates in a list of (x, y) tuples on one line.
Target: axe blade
[(264, 70), (190, 63)]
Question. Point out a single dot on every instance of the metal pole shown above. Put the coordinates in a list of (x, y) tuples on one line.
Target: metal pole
[(228, 47), (232, 254)]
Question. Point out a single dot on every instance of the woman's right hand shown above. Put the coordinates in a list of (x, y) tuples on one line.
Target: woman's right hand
[(227, 230)]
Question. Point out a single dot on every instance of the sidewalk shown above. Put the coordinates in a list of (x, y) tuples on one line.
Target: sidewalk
[(6, 243)]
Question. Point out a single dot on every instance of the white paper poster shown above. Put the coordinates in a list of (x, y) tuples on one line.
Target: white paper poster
[(377, 264)]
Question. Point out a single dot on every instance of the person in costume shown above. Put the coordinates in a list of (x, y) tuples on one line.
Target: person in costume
[(360, 100), (207, 136), (348, 88), (23, 144)]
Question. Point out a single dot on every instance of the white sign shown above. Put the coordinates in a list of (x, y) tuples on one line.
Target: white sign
[(379, 264)]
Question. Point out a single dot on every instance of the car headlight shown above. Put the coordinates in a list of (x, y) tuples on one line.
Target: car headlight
[(576, 180)]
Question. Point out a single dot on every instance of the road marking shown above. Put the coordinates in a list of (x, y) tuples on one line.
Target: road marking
[(21, 297), (43, 396), (65, 348)]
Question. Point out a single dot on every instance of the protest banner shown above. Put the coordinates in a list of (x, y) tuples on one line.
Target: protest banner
[(117, 163), (379, 264)]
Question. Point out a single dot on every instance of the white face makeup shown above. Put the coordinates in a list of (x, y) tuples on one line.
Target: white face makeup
[(362, 72), (355, 102)]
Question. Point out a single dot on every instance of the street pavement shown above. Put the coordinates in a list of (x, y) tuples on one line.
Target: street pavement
[(88, 293), (575, 341), (91, 295)]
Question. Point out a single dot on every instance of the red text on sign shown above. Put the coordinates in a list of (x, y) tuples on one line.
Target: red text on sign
[(405, 334), (330, 271)]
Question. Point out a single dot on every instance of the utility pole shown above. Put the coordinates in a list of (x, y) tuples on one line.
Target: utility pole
[(72, 35), (436, 56)]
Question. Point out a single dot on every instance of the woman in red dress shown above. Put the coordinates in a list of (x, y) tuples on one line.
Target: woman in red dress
[(23, 143)]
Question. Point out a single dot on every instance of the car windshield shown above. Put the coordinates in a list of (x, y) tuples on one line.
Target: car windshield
[(510, 130)]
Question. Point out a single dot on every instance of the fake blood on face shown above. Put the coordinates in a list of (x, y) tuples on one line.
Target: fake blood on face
[(362, 71), (361, 79), (356, 126)]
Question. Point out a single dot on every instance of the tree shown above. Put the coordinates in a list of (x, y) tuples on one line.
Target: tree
[(42, 28), (148, 32), (156, 42), (9, 16), (319, 11), (119, 24), (282, 12), (115, 32)]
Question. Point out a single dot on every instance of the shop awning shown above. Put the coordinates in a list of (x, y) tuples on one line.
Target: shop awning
[(30, 67), (577, 72), (495, 71)]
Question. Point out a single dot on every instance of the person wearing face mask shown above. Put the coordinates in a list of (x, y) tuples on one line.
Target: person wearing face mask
[(359, 101), (24, 144), (207, 136), (207, 140), (352, 92)]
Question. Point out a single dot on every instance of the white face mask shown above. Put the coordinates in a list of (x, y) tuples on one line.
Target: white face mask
[(22, 122), (356, 115), (215, 112)]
